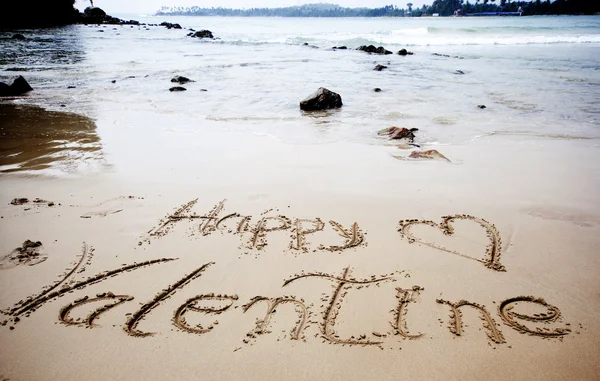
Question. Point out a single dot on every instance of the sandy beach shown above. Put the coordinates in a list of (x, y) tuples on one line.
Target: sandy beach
[(215, 254)]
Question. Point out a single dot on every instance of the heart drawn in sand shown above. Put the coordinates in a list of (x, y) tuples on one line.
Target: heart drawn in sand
[(493, 249)]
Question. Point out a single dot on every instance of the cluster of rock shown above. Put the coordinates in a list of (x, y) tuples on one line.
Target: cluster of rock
[(446, 55), (168, 25), (408, 136), (18, 87), (399, 133), (182, 81), (95, 15), (371, 49)]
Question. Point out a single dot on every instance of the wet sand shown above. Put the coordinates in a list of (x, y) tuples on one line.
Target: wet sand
[(226, 258)]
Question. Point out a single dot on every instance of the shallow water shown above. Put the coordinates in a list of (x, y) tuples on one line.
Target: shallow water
[(538, 77)]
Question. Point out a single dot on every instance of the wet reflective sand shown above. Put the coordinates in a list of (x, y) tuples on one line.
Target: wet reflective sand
[(32, 138)]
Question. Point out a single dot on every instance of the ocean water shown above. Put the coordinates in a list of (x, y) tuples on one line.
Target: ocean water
[(537, 77)]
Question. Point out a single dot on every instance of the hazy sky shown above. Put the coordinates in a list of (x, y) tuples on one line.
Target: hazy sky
[(148, 6)]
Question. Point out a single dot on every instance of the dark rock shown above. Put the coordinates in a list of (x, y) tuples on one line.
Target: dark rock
[(95, 15), (460, 72), (203, 34), (180, 79), (71, 87), (18, 87), (482, 106), (113, 81), (203, 90), (340, 47), (305, 44), (380, 67), (176, 26), (19, 201), (373, 49), (177, 88), (322, 99), (101, 31), (404, 52), (94, 12), (18, 36), (446, 55), (399, 133), (377, 90)]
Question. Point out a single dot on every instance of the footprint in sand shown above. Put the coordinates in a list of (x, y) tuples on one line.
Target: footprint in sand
[(111, 206)]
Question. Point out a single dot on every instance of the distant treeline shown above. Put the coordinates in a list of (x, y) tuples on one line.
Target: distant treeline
[(441, 7), (528, 8), (308, 10)]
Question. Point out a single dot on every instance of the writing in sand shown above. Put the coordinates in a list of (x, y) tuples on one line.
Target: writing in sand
[(529, 315)]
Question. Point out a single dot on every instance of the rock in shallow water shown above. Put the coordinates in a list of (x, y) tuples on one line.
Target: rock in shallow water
[(18, 87), (373, 49), (203, 34), (177, 88), (180, 79), (322, 99), (380, 67), (399, 133)]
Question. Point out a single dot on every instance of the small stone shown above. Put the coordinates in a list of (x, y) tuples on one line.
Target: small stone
[(180, 79), (177, 88)]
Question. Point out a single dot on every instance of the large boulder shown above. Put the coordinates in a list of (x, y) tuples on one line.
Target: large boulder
[(95, 15), (18, 87), (203, 34), (372, 49), (322, 99), (94, 12)]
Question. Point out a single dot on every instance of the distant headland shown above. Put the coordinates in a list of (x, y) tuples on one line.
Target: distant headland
[(437, 8), (44, 14)]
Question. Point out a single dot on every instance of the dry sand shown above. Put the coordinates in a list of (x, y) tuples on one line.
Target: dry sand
[(169, 271)]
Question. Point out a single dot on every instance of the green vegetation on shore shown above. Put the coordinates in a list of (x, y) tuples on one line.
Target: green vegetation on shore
[(440, 7)]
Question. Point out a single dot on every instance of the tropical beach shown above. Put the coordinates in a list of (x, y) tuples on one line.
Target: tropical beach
[(442, 222)]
